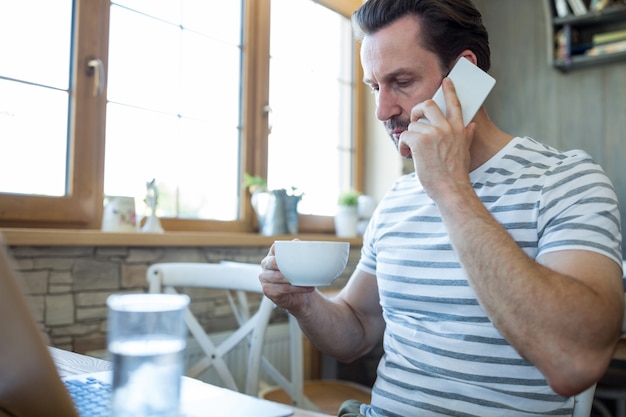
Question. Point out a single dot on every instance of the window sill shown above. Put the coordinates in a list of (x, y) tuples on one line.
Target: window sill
[(67, 237)]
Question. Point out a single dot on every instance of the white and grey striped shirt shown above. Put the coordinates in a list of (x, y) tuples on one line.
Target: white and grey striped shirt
[(443, 355)]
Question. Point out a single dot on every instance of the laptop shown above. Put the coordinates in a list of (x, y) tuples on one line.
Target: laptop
[(30, 385)]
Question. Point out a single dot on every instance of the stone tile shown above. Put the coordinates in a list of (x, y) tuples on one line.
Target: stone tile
[(202, 308), (139, 255), (59, 309), (36, 282), (91, 299), (59, 264), (60, 277), (202, 293), (64, 343), (89, 343), (183, 255), (134, 276), (112, 252), (79, 329), (38, 306), (60, 288), (90, 274), (60, 282), (24, 264), (91, 313)]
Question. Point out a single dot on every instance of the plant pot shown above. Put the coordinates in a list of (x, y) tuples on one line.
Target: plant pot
[(277, 212), (346, 220)]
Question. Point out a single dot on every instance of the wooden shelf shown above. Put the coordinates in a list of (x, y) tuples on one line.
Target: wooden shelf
[(65, 237), (583, 61), (578, 32), (610, 14)]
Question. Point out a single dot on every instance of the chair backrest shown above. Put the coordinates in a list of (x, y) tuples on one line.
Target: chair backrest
[(241, 278), (172, 277), (583, 402)]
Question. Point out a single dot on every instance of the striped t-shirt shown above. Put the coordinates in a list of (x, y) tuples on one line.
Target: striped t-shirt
[(443, 355)]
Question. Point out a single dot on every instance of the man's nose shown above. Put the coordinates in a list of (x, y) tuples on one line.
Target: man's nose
[(386, 105)]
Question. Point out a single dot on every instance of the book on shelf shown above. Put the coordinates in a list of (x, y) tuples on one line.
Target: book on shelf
[(608, 48), (578, 7), (607, 37), (597, 5), (561, 8), (563, 50)]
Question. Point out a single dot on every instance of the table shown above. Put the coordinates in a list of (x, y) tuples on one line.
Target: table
[(70, 363)]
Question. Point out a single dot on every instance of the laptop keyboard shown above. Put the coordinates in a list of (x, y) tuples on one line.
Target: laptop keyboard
[(91, 397)]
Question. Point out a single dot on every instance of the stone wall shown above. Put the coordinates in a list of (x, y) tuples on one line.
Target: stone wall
[(68, 286)]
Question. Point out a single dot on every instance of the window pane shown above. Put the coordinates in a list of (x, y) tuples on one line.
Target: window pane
[(174, 106), (209, 90), (214, 18), (33, 138), (42, 31), (311, 91), (34, 83), (144, 66), (165, 10)]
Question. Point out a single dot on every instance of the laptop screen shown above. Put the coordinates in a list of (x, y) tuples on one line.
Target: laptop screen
[(29, 382)]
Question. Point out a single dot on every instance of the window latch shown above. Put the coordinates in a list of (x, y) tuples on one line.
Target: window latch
[(96, 68)]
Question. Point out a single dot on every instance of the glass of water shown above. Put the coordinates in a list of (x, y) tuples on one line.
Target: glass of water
[(146, 341)]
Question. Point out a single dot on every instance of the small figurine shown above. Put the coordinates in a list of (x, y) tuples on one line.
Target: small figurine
[(152, 224)]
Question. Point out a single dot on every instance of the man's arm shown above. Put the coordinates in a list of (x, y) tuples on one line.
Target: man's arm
[(563, 312), (346, 326), (353, 322)]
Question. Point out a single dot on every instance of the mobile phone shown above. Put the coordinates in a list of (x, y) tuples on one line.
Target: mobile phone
[(472, 85)]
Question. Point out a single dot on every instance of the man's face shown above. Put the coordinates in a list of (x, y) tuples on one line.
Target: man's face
[(400, 73)]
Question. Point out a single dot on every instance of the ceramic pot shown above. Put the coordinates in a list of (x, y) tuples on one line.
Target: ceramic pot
[(346, 220), (119, 214), (276, 212)]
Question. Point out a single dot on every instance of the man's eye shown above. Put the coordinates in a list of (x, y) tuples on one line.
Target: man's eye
[(374, 89), (402, 83)]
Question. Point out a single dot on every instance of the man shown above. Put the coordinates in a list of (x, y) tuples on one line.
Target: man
[(492, 273)]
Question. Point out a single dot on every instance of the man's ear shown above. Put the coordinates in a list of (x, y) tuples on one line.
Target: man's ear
[(468, 54)]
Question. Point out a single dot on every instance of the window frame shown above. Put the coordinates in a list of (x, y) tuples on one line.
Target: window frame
[(82, 207)]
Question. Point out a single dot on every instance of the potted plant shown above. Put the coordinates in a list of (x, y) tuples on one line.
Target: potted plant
[(276, 210), (347, 215), (254, 183)]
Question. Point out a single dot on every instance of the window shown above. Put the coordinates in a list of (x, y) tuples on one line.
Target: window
[(187, 88), (34, 97), (173, 105), (311, 89)]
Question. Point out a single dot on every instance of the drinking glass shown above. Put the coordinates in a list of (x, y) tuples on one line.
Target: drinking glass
[(146, 340)]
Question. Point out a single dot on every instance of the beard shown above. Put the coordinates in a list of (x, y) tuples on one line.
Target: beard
[(396, 124)]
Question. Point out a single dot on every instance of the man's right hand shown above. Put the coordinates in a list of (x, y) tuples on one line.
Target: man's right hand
[(278, 289)]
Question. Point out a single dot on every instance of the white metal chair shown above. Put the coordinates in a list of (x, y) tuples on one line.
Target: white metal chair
[(171, 277), (241, 278), (583, 402)]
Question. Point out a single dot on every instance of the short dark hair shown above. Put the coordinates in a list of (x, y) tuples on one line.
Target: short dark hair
[(448, 27)]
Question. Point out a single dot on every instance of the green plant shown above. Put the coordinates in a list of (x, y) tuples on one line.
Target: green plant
[(254, 182), (294, 192), (349, 198)]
